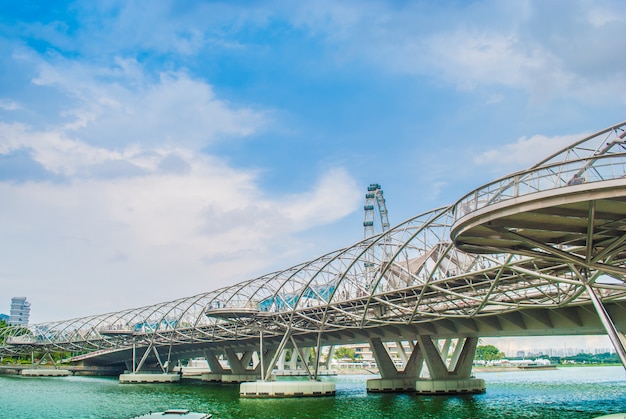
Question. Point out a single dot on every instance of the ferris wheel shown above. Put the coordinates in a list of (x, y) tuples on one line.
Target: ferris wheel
[(375, 222), (375, 205)]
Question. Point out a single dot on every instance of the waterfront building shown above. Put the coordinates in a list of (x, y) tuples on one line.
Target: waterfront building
[(20, 311), (364, 357)]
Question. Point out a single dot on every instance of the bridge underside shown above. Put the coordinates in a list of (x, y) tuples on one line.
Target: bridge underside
[(572, 218), (572, 320)]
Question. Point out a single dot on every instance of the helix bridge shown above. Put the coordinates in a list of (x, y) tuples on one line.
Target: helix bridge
[(538, 252)]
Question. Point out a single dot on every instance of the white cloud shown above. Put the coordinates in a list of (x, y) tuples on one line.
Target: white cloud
[(135, 210), (543, 58), (121, 105), (548, 50), (335, 193), (53, 150), (9, 105), (533, 46), (524, 152), (163, 233), (477, 59), (134, 203)]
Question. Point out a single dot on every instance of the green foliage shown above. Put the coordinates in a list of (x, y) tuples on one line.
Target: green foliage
[(488, 353), (292, 353), (583, 358), (344, 352), (6, 330)]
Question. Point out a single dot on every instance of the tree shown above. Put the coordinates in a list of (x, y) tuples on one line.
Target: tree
[(3, 325), (488, 353), (344, 352)]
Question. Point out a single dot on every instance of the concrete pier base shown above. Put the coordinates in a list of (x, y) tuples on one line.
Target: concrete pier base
[(302, 373), (46, 372), (212, 378), (240, 378), (451, 386), (232, 378), (277, 389), (391, 385), (148, 378)]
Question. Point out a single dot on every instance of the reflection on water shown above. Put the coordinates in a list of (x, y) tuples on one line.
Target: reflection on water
[(563, 393)]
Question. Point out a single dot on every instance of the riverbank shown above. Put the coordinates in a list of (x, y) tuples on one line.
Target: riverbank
[(502, 369), (374, 371), (356, 371)]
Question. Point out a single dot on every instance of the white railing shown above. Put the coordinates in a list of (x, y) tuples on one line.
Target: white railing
[(545, 178)]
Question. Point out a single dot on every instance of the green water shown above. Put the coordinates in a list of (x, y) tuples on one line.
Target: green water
[(562, 393)]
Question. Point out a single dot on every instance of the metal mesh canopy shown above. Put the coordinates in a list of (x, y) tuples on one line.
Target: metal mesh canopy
[(432, 266)]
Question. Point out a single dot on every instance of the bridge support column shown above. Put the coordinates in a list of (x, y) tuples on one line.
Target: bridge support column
[(35, 371), (281, 359), (150, 376), (262, 368), (329, 357), (274, 389), (391, 379), (444, 380), (452, 378), (617, 338), (238, 368), (217, 371), (213, 361)]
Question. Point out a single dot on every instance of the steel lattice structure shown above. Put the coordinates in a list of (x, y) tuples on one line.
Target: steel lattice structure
[(443, 264)]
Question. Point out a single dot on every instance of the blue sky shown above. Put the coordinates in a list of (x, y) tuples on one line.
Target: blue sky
[(155, 150)]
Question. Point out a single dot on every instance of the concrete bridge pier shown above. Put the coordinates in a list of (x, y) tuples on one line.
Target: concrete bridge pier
[(138, 375), (267, 387), (295, 361), (454, 378), (35, 371), (297, 367), (391, 379), (243, 366), (217, 371), (239, 367)]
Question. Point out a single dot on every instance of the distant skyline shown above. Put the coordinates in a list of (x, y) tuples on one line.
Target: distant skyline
[(533, 344), (152, 153)]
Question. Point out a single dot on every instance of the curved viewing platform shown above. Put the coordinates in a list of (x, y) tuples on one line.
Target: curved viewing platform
[(25, 340), (576, 192), (232, 313), (117, 331)]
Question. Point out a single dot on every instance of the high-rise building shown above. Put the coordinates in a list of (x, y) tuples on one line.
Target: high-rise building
[(20, 311)]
